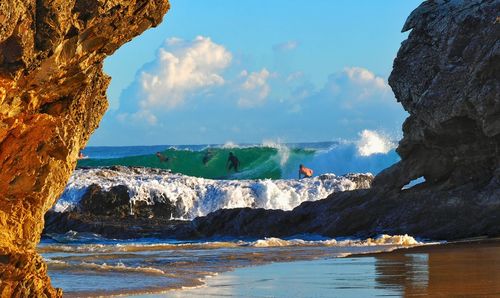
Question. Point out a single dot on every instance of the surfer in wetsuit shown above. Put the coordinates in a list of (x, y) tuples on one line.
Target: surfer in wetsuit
[(207, 157), (162, 157), (233, 162), (305, 171)]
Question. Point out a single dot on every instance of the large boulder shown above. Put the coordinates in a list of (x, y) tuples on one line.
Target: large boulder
[(52, 97)]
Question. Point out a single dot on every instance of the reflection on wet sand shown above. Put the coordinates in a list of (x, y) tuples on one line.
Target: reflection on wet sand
[(448, 270), (452, 270)]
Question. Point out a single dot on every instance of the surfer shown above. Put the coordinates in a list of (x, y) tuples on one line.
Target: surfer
[(207, 157), (162, 157), (305, 171), (81, 156), (232, 162)]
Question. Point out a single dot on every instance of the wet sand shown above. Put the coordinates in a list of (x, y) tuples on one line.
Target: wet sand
[(468, 269)]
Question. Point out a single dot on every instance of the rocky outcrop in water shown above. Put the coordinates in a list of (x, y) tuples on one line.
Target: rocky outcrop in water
[(52, 97), (134, 202), (446, 75), (115, 202)]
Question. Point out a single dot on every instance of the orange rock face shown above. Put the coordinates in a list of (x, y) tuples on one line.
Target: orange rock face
[(52, 97)]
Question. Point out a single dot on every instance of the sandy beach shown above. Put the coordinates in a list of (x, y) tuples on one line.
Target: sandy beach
[(466, 269)]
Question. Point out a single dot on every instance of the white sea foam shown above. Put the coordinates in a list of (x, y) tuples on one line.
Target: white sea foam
[(398, 240), (118, 267), (230, 145), (372, 142), (121, 267), (198, 196), (283, 150), (161, 245)]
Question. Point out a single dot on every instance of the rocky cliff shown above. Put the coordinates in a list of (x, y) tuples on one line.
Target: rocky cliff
[(52, 97), (446, 75)]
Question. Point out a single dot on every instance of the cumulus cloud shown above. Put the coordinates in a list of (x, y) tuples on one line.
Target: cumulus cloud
[(286, 46), (181, 69), (366, 79), (255, 88), (357, 85)]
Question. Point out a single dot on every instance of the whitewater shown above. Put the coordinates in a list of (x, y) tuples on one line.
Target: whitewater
[(195, 179), (194, 196)]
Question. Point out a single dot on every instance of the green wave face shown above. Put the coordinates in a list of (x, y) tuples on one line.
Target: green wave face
[(255, 162)]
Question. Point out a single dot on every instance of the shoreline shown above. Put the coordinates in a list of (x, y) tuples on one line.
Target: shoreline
[(407, 262), (397, 273)]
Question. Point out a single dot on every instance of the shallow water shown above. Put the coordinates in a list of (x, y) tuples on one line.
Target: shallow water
[(458, 270), (152, 265)]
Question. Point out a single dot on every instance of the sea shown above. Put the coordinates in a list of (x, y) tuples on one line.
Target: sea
[(196, 179)]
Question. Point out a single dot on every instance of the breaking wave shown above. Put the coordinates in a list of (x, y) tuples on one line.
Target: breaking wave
[(372, 152), (194, 196)]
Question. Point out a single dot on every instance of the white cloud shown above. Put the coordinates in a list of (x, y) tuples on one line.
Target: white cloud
[(254, 89), (286, 46), (183, 68), (356, 85), (139, 116), (366, 79)]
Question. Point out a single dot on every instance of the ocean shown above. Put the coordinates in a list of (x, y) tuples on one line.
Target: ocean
[(196, 180)]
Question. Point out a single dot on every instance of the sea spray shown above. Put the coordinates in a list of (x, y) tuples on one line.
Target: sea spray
[(194, 196), (372, 142)]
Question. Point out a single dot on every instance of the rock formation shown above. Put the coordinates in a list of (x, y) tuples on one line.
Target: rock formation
[(446, 75), (52, 97), (111, 207)]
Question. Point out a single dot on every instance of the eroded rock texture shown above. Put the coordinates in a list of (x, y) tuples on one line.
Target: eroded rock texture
[(52, 97), (446, 75)]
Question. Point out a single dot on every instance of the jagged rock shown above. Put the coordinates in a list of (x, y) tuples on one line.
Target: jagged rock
[(52, 97), (446, 76), (110, 226), (115, 201)]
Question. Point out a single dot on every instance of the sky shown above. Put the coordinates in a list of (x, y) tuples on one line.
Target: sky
[(257, 71)]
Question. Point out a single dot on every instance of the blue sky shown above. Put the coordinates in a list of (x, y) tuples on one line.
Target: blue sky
[(253, 71)]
